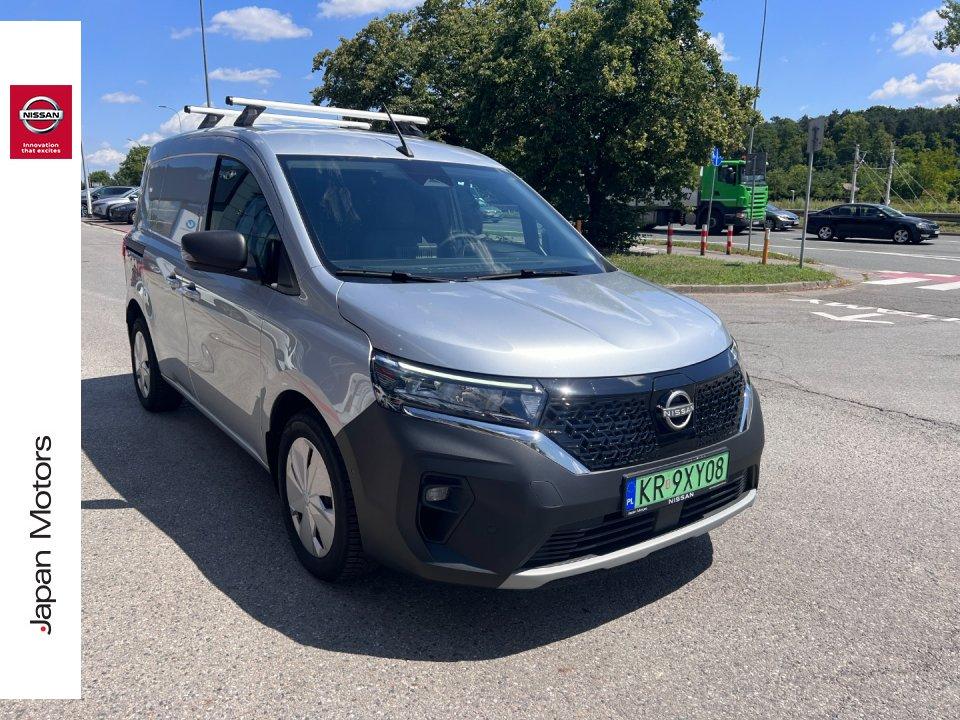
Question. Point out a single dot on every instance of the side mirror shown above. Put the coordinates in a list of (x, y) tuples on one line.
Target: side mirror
[(216, 251)]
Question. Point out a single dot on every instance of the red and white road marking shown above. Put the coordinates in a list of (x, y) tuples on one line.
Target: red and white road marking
[(933, 281)]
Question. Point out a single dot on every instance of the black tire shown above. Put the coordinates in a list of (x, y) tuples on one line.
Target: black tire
[(715, 226), (825, 232), (344, 559), (130, 217), (156, 395), (905, 234)]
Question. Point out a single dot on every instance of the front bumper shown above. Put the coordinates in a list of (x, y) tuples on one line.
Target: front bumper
[(514, 500)]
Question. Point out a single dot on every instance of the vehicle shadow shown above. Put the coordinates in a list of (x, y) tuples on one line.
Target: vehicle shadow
[(219, 506)]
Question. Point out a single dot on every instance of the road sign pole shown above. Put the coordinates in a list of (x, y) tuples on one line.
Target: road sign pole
[(753, 194), (806, 208), (713, 184), (669, 238)]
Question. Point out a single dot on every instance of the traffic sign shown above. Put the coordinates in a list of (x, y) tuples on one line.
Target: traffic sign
[(715, 157), (815, 129)]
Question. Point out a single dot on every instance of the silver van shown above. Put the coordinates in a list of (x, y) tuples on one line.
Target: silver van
[(439, 373)]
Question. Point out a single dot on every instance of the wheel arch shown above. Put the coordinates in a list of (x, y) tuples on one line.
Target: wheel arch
[(285, 406), (133, 312)]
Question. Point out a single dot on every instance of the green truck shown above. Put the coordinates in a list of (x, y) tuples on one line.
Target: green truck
[(739, 198)]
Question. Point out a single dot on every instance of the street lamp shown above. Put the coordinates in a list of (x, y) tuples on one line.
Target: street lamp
[(179, 119), (134, 142), (203, 45)]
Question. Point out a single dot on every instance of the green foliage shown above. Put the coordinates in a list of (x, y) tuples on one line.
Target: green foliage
[(608, 102), (100, 177), (949, 37), (927, 152), (131, 169)]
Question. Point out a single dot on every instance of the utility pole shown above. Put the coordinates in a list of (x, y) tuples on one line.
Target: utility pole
[(203, 45), (756, 93), (856, 168), (86, 181), (886, 195)]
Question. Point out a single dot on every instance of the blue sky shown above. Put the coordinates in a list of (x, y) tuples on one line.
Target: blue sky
[(820, 55)]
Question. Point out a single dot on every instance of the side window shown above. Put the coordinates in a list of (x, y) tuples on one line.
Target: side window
[(238, 204), (867, 211), (844, 211), (176, 195)]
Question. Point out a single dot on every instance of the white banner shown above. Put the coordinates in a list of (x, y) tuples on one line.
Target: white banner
[(40, 360)]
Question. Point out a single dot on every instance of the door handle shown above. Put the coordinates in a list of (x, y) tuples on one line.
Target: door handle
[(173, 281), (189, 290)]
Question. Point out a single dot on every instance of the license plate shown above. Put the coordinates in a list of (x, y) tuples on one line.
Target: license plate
[(673, 485)]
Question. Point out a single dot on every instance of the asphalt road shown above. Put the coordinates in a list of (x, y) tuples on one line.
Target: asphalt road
[(834, 597)]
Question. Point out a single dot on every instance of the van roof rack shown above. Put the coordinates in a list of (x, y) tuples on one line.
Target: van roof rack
[(254, 108), (214, 115)]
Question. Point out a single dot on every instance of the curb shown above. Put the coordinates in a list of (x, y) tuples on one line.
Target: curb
[(773, 288)]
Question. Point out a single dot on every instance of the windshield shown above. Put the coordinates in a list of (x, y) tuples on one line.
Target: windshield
[(114, 191), (441, 220), (891, 211)]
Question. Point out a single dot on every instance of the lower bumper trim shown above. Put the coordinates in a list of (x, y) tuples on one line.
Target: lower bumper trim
[(535, 577)]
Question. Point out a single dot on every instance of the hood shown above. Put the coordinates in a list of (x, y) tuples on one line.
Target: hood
[(915, 220), (598, 325)]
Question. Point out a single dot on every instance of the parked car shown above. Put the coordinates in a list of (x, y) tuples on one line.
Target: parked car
[(101, 193), (780, 219), (101, 207), (870, 220), (123, 211), (468, 408)]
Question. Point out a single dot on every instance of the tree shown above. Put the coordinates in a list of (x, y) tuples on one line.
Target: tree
[(949, 37), (131, 168), (100, 177), (598, 107)]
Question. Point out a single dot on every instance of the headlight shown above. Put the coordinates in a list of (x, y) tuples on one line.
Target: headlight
[(505, 401)]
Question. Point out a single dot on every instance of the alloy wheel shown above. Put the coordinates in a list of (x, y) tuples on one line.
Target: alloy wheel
[(310, 497), (901, 236), (825, 233), (141, 363)]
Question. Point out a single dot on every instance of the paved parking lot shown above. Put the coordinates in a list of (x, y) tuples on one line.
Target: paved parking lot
[(834, 597)]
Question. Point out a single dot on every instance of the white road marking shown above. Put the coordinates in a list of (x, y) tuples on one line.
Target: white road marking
[(862, 317), (942, 286), (896, 281), (875, 310)]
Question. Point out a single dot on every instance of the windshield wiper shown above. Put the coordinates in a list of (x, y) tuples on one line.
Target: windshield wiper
[(395, 275), (524, 273)]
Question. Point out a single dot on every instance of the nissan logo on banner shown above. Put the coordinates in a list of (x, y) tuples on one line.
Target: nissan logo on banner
[(41, 114), (41, 122)]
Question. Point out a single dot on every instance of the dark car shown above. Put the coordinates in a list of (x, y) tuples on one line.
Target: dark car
[(780, 219), (123, 212), (870, 220)]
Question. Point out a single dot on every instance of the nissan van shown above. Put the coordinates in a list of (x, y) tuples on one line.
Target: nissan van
[(438, 371)]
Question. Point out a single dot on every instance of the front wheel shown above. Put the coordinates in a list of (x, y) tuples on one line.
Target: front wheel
[(318, 509), (825, 233), (902, 235)]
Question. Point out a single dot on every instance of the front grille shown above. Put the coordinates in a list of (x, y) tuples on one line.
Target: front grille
[(616, 532), (613, 431)]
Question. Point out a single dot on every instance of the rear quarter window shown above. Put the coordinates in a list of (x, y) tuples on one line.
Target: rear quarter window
[(176, 192)]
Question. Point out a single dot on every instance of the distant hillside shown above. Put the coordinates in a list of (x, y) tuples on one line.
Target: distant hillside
[(927, 173)]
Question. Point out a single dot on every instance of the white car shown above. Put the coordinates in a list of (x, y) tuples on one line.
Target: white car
[(101, 208)]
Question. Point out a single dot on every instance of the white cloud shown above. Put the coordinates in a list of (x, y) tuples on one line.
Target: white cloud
[(355, 8), (941, 86), (719, 43), (120, 98), (250, 23), (105, 157), (170, 126), (918, 37), (183, 33), (256, 75)]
